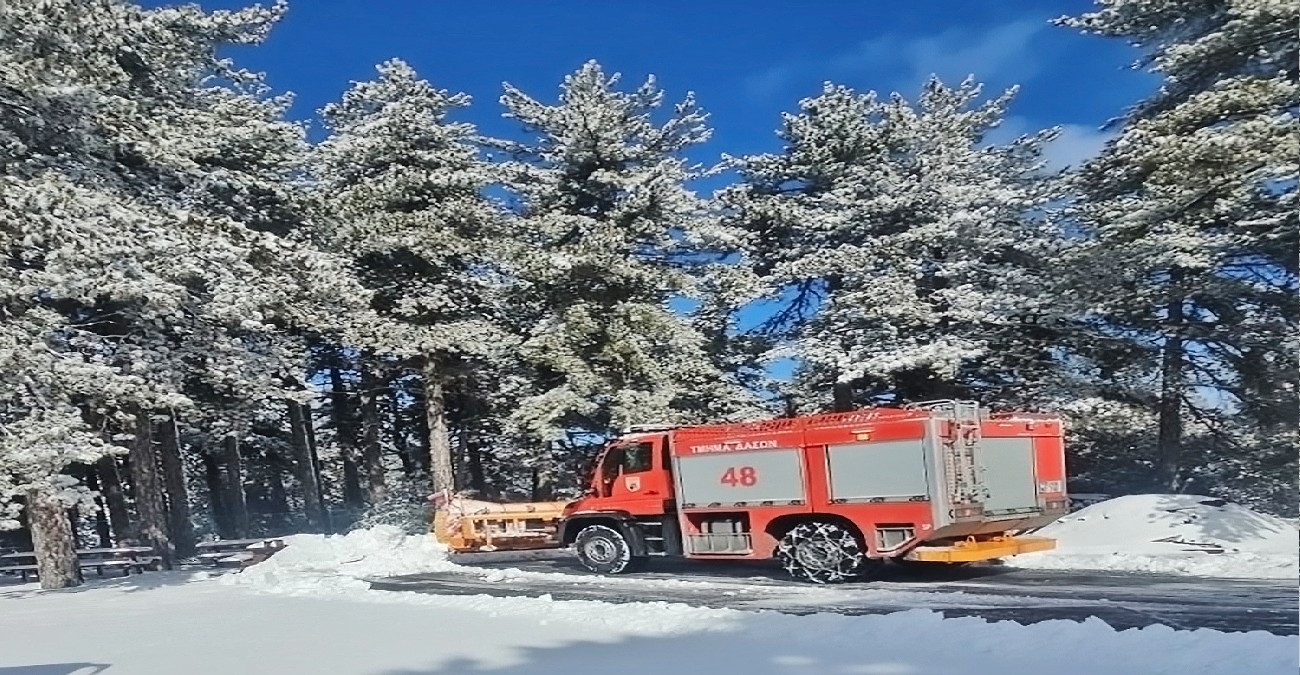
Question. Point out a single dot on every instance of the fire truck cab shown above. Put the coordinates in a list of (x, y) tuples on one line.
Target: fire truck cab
[(831, 496)]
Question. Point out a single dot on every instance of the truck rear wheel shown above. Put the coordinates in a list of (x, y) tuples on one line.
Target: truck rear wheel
[(604, 550), (823, 553)]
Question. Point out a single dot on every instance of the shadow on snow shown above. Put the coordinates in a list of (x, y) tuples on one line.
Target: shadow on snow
[(133, 583)]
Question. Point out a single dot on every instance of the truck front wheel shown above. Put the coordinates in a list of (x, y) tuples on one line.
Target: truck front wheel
[(604, 550), (823, 553)]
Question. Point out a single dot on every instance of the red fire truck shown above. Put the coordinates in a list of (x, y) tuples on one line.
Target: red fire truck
[(831, 496)]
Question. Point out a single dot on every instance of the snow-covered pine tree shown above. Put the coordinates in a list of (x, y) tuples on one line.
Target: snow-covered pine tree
[(901, 247), (605, 226), (127, 151), (66, 231), (41, 427), (1188, 274), (402, 187)]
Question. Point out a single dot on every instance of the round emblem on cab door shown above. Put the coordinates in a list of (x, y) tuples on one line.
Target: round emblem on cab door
[(633, 483)]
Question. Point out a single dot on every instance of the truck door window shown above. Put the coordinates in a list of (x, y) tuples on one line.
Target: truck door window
[(609, 467), (638, 457), (613, 461)]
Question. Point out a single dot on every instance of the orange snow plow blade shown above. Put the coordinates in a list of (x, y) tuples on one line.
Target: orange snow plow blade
[(471, 525), (972, 550)]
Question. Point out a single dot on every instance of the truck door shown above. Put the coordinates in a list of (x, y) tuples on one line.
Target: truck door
[(640, 485)]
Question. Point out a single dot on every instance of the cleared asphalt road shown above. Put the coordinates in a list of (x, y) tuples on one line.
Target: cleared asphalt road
[(993, 593)]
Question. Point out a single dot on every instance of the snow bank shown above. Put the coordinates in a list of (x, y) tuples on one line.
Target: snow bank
[(312, 624), (308, 610), (1179, 534), (203, 628), (314, 561)]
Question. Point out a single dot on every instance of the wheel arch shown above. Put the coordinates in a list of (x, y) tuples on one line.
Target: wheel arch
[(618, 520), (783, 524)]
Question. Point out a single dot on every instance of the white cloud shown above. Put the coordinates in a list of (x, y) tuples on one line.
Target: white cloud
[(1000, 53), (1075, 145), (1010, 129), (770, 82), (1003, 54)]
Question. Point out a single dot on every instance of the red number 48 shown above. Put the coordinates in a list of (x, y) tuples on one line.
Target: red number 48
[(745, 476)]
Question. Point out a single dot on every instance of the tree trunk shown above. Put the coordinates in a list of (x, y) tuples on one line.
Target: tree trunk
[(421, 422), (353, 497), (212, 476), (409, 468), (410, 465), (305, 470), (1173, 387), (178, 499), (102, 530), (843, 396), (110, 483), (372, 458), (56, 551), (74, 520), (148, 485), (460, 459), (309, 425), (476, 476), (216, 496), (441, 471), (277, 497), (543, 488), (345, 433), (341, 407), (232, 483)]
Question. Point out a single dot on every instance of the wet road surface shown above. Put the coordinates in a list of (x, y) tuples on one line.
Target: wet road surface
[(994, 593)]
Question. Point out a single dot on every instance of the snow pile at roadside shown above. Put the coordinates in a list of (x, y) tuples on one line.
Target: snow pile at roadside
[(314, 561), (1180, 534)]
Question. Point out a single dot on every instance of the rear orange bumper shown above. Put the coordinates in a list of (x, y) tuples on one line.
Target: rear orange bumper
[(975, 550)]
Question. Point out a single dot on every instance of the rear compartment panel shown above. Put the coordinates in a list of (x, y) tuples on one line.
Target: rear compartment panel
[(881, 471), (1006, 468)]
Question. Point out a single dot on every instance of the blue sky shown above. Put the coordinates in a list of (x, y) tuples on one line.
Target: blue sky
[(746, 62)]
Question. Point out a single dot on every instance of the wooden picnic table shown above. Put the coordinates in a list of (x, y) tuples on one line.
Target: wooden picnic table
[(119, 549), (126, 558), (238, 552), (239, 544), (122, 552)]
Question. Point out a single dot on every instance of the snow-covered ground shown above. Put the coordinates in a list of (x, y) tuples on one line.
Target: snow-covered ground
[(307, 611), (1179, 534)]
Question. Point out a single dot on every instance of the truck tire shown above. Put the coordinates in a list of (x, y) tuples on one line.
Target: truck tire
[(821, 552), (604, 550)]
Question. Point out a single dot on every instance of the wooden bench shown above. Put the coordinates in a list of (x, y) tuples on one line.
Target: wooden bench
[(23, 570), (126, 558)]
